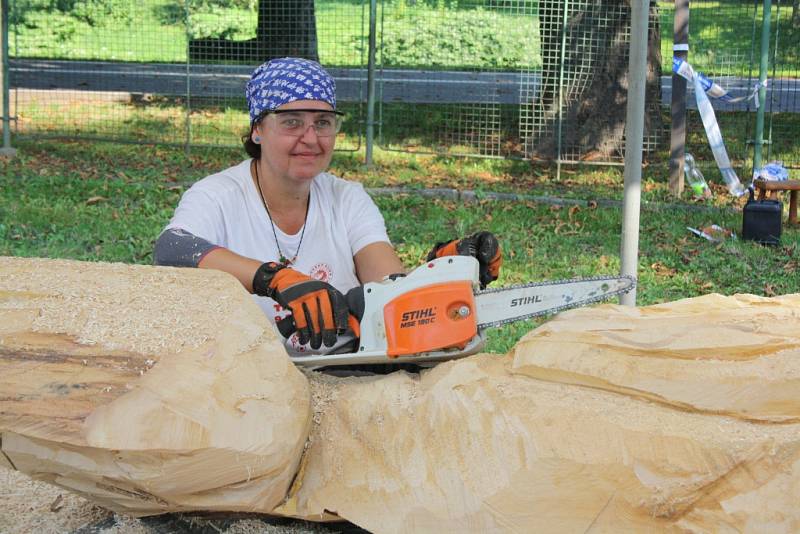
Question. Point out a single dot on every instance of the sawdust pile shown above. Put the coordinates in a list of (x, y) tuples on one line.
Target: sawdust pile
[(30, 507), (127, 307)]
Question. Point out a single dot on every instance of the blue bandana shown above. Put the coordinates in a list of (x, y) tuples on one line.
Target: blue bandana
[(280, 81)]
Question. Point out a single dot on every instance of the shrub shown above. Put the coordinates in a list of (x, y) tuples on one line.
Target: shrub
[(457, 38), (100, 12), (218, 22), (45, 13)]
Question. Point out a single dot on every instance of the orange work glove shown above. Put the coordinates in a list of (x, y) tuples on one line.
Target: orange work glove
[(319, 310), (483, 246)]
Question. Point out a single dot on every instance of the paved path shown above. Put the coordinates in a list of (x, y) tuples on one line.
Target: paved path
[(411, 86)]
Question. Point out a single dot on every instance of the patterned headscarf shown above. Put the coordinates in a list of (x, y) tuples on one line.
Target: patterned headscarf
[(285, 80)]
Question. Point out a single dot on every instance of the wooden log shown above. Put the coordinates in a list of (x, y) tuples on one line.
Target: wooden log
[(146, 389), (150, 390), (610, 419), (737, 356)]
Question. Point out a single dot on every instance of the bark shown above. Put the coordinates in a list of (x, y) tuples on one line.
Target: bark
[(595, 80), (284, 28), (287, 29)]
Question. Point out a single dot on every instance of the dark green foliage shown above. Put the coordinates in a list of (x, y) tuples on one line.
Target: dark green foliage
[(455, 38), (56, 14), (218, 22)]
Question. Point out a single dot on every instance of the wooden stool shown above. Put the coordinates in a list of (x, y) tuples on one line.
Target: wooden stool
[(793, 186)]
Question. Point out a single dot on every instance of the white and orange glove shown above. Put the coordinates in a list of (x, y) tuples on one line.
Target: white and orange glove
[(319, 310), (482, 245)]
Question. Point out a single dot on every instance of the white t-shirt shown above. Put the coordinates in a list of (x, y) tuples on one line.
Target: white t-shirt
[(226, 210)]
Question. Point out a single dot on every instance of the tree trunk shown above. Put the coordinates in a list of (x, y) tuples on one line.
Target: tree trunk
[(796, 14), (593, 80), (284, 28), (287, 29)]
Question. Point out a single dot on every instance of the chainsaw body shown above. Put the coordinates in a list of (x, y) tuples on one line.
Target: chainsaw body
[(428, 315), (430, 309)]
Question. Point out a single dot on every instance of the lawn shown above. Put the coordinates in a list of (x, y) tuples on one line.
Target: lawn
[(108, 202), (455, 34), (725, 37)]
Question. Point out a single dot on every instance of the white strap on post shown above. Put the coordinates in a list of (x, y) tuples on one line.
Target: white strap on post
[(704, 88)]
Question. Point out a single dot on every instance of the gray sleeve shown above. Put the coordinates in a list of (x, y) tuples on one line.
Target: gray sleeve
[(179, 248)]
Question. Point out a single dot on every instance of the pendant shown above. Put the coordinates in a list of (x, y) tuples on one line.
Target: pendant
[(284, 260)]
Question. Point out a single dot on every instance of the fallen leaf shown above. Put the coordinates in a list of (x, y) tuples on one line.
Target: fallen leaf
[(573, 210), (663, 270), (769, 290), (95, 200)]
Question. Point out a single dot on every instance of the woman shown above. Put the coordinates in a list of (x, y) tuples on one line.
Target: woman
[(294, 235)]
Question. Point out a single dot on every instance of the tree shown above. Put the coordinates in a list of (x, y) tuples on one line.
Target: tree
[(595, 79), (284, 28)]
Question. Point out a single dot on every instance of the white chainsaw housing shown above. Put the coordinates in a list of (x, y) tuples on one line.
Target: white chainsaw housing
[(373, 344)]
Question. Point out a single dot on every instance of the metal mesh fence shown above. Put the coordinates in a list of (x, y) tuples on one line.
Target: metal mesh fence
[(160, 71), (460, 67), (725, 42), (501, 78), (783, 95), (490, 78)]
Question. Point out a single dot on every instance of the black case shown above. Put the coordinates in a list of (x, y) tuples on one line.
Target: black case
[(761, 220)]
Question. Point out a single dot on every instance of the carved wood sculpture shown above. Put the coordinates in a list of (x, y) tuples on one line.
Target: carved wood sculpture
[(146, 389), (683, 416)]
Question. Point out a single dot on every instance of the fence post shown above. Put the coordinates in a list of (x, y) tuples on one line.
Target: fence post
[(634, 141), (6, 149), (373, 16), (762, 90), (563, 58), (188, 106), (677, 145)]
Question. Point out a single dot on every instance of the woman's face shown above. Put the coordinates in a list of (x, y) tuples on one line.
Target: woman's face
[(298, 156)]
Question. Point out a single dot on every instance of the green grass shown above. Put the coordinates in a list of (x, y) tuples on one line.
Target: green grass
[(441, 34), (722, 40), (405, 127), (101, 201)]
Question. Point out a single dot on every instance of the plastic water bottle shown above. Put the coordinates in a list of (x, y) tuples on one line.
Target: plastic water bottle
[(732, 181), (697, 183)]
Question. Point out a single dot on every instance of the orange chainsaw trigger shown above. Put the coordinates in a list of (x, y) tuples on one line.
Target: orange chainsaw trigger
[(430, 318)]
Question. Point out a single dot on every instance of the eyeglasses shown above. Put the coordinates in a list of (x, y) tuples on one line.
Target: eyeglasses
[(296, 122)]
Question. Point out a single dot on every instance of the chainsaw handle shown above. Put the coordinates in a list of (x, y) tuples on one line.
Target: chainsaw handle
[(355, 301)]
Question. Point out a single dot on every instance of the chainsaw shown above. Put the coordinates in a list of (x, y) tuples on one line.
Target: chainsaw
[(437, 312)]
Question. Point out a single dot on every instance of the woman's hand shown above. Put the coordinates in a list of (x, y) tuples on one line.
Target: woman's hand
[(319, 311), (483, 246)]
